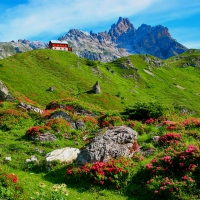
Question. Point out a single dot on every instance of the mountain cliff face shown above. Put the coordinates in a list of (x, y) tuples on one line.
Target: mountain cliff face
[(11, 48), (123, 39)]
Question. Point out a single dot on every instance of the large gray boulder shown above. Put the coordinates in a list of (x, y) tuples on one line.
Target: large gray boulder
[(4, 93), (115, 142)]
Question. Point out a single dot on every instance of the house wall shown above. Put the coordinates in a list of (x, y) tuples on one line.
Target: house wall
[(62, 47)]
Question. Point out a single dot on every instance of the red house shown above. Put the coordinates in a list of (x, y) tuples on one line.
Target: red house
[(59, 45)]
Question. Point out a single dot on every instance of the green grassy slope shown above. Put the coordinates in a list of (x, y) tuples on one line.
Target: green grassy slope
[(32, 73)]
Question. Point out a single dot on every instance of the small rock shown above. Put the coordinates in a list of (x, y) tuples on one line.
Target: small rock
[(51, 89), (76, 143), (32, 159), (27, 160), (80, 124), (8, 158), (155, 138)]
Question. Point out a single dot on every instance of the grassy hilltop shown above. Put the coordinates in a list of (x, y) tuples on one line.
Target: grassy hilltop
[(122, 84), (152, 96)]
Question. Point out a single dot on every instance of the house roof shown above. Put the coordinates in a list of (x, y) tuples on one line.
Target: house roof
[(58, 42)]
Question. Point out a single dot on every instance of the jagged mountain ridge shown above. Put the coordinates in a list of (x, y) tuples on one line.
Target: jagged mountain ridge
[(123, 39)]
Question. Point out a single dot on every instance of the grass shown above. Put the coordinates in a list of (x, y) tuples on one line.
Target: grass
[(31, 74)]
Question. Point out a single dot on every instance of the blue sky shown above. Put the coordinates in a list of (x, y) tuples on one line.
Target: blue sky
[(48, 19)]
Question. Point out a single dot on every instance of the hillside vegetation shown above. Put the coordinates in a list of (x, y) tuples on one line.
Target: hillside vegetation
[(159, 99), (123, 82)]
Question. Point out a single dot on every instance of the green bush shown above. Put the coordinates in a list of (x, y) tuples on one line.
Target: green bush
[(91, 63), (145, 110)]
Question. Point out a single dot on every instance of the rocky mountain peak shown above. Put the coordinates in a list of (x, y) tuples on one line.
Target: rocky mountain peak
[(123, 26)]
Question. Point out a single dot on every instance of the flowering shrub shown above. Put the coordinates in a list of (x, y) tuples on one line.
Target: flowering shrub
[(150, 121), (135, 147), (11, 118), (170, 125), (9, 187), (46, 114), (36, 130), (169, 137), (115, 172), (191, 123), (90, 122), (176, 169), (130, 123), (111, 121), (194, 134), (59, 124), (12, 177), (72, 105)]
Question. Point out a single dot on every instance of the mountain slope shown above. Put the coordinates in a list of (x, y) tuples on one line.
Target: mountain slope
[(123, 81), (123, 39)]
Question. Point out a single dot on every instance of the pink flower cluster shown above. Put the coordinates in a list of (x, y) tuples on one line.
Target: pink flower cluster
[(150, 121), (179, 165), (115, 172), (189, 123), (169, 137)]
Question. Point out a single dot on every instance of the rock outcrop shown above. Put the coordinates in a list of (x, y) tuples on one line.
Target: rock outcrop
[(43, 137), (29, 107), (115, 142), (4, 93)]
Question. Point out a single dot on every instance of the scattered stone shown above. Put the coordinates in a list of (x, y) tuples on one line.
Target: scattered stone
[(155, 138), (80, 124), (147, 152), (32, 159), (51, 89), (29, 107), (76, 143), (39, 150), (65, 155), (96, 88), (4, 93), (115, 142), (8, 158), (79, 111), (43, 137)]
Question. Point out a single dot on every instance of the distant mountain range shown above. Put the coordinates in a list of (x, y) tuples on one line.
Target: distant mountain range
[(121, 40), (11, 48)]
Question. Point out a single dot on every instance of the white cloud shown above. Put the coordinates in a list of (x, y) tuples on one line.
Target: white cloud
[(192, 44), (37, 17)]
